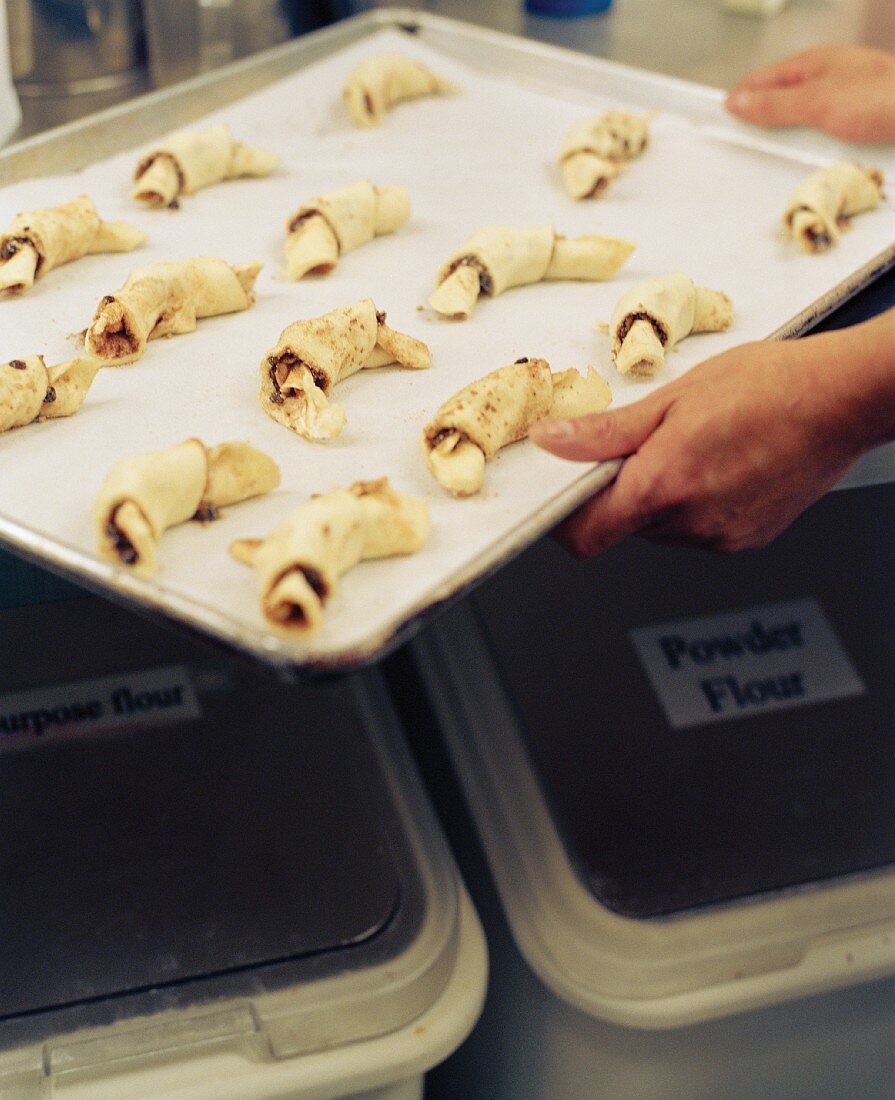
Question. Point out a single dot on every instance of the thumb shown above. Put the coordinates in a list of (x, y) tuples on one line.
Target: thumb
[(601, 436), (796, 105)]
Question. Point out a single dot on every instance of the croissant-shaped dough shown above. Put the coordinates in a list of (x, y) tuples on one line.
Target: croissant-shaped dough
[(596, 150), (313, 356), (653, 316), (494, 259), (301, 560), (166, 299), (328, 226), (499, 409), (826, 201), (146, 494), (380, 82), (188, 160), (39, 240), (30, 390)]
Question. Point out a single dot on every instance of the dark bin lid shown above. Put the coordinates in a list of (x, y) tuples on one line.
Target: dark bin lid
[(657, 820), (227, 846)]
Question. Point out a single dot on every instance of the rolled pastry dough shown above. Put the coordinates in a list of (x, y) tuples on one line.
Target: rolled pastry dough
[(825, 202), (330, 225), (653, 316), (300, 562), (499, 409), (380, 82), (500, 257), (166, 299), (312, 356), (596, 150), (39, 240), (188, 160), (146, 494), (30, 390)]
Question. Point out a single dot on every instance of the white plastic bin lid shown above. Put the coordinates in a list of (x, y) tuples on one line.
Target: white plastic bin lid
[(202, 863), (660, 864)]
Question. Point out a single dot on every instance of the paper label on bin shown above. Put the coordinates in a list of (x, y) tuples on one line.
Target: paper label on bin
[(743, 663), (146, 698)]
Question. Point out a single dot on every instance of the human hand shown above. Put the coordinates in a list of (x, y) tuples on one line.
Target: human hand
[(846, 91), (728, 455)]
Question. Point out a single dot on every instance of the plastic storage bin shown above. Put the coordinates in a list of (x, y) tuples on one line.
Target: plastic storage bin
[(214, 885), (654, 874)]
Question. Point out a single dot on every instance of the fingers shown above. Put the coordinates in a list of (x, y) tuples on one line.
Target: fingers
[(607, 518), (795, 105), (792, 70), (601, 436)]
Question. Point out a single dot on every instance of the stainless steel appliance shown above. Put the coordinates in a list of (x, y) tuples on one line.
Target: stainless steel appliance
[(73, 57), (68, 47)]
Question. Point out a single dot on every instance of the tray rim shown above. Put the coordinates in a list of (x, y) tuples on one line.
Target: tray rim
[(209, 92)]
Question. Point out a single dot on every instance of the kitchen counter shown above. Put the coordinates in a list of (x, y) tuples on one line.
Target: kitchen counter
[(693, 39)]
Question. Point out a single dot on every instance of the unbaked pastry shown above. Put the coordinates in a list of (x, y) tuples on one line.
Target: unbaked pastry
[(146, 494), (312, 356), (166, 299), (39, 240), (825, 202), (30, 390), (187, 160), (330, 225), (499, 409), (597, 149), (500, 257), (652, 317), (380, 82), (299, 563)]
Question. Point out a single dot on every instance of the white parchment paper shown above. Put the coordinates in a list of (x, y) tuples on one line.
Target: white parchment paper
[(693, 202)]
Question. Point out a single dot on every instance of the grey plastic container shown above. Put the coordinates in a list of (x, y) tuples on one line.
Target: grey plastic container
[(250, 900), (538, 668)]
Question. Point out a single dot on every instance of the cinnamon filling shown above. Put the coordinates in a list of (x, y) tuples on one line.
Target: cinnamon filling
[(441, 435), (295, 613), (118, 342), (148, 162), (116, 339), (598, 188), (206, 512), (302, 217), (315, 579), (121, 544), (298, 220), (13, 245), (279, 372), (276, 397), (818, 238), (486, 283), (625, 327)]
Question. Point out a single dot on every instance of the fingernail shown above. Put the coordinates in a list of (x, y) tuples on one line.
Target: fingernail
[(739, 100), (554, 430)]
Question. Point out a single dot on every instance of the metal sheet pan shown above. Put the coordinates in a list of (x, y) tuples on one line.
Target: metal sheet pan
[(534, 76)]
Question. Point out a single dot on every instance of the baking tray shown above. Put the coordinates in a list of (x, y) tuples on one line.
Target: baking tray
[(519, 98)]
